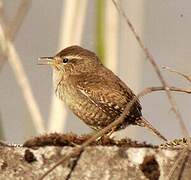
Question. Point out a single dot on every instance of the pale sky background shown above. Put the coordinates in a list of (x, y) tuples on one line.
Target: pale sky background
[(164, 26)]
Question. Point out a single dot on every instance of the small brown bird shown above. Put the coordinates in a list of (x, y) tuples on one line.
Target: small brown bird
[(93, 92)]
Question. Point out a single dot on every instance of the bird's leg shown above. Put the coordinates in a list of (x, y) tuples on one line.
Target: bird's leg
[(111, 132)]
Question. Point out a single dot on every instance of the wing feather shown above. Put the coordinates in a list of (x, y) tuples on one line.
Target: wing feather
[(111, 95)]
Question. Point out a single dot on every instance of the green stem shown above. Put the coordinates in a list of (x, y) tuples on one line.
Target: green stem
[(100, 17)]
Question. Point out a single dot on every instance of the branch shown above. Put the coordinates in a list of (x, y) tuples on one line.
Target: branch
[(115, 123), (175, 89), (156, 68), (158, 72), (177, 72)]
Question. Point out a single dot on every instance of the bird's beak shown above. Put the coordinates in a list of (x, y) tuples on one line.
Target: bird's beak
[(46, 61)]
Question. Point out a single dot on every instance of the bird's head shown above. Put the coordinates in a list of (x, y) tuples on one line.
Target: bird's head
[(72, 60)]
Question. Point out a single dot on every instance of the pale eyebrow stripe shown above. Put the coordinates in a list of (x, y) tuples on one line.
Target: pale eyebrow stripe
[(73, 57)]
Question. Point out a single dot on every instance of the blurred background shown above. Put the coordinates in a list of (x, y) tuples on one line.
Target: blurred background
[(31, 29)]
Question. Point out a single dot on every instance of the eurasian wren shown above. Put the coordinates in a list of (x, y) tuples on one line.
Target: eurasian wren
[(93, 92)]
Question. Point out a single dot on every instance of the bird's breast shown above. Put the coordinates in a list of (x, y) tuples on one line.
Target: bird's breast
[(82, 106)]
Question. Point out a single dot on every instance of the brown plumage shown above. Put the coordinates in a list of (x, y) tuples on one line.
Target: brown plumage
[(93, 92)]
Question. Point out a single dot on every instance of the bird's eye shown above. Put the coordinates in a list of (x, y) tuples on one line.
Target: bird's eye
[(65, 60)]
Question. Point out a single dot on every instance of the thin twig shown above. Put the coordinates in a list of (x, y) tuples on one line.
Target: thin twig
[(74, 164), (183, 154), (185, 160), (159, 88), (177, 72), (22, 80), (156, 68), (118, 121), (76, 152), (78, 149)]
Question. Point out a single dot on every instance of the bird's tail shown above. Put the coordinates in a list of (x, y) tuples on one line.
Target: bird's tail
[(144, 123)]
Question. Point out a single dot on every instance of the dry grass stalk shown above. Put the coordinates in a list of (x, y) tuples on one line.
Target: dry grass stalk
[(17, 20), (111, 36), (23, 81), (20, 75), (15, 24), (72, 26)]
